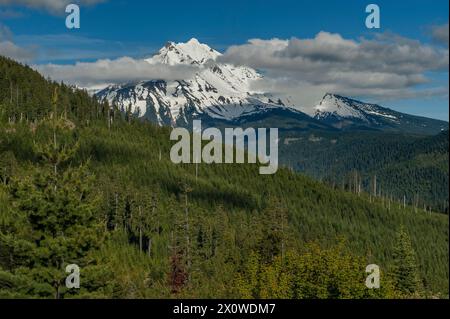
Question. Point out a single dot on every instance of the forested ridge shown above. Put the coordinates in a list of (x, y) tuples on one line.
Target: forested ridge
[(403, 167), (82, 183)]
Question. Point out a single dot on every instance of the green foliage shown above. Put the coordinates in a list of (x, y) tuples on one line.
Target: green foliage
[(57, 223), (107, 197), (275, 226), (405, 269), (26, 96), (414, 168), (227, 221), (311, 273), (8, 163)]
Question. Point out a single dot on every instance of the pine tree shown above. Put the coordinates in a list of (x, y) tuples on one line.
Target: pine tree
[(178, 274), (8, 166), (59, 212), (274, 232), (405, 270)]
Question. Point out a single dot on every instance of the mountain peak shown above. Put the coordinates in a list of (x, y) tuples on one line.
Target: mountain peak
[(338, 109), (333, 96), (194, 41), (169, 45), (338, 106), (190, 52)]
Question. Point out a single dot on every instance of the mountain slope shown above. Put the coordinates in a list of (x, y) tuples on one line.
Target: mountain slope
[(228, 207), (25, 94), (414, 167), (345, 113), (227, 203)]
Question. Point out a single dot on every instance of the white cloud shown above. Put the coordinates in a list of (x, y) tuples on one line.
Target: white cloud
[(385, 66), (9, 49), (54, 6), (106, 71), (440, 34), (304, 95)]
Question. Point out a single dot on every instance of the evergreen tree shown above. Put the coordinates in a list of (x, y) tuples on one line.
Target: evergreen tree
[(8, 165), (405, 270), (178, 272), (274, 232), (59, 216)]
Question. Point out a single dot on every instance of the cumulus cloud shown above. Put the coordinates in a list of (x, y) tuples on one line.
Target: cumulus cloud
[(9, 49), (53, 6), (385, 65), (440, 34), (304, 95), (117, 71)]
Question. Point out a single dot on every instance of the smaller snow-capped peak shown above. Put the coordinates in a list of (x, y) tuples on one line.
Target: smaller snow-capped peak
[(336, 105), (334, 108), (191, 52)]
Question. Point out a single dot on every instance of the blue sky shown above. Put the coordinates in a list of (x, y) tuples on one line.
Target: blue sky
[(118, 28)]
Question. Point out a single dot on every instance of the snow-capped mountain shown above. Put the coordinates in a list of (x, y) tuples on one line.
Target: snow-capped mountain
[(345, 113), (336, 108), (217, 90), (223, 92), (191, 52)]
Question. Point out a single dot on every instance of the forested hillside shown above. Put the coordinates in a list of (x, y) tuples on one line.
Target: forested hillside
[(98, 190), (26, 95), (403, 167), (396, 166)]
